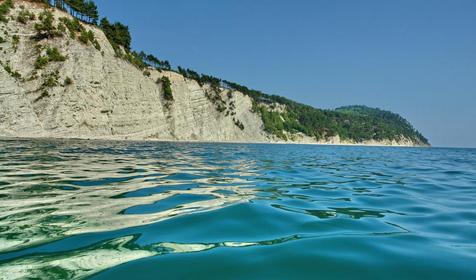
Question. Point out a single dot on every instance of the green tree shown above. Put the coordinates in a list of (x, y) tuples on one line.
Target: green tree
[(117, 34), (85, 10)]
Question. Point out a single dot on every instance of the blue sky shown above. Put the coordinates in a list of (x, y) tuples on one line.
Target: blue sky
[(414, 57)]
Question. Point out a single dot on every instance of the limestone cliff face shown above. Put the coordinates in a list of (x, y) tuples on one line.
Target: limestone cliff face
[(109, 98)]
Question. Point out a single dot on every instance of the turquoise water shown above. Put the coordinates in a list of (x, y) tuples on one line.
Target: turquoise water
[(127, 210)]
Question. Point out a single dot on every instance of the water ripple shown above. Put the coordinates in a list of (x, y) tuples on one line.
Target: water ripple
[(115, 210)]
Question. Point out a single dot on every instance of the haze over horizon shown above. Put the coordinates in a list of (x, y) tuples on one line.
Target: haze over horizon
[(410, 57)]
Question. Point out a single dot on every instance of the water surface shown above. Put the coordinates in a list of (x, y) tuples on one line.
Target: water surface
[(148, 210)]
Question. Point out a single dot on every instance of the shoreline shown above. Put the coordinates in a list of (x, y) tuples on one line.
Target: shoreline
[(105, 139)]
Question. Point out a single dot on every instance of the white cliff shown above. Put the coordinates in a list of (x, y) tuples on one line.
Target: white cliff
[(109, 98)]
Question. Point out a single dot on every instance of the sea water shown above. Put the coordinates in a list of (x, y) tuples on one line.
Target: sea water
[(73, 209)]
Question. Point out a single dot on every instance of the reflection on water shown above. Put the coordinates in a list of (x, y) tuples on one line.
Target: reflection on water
[(73, 209), (60, 190), (82, 263)]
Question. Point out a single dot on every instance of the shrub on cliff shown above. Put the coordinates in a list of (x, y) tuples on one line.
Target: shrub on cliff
[(24, 16), (68, 81), (15, 41), (52, 55), (5, 9), (9, 70), (134, 59), (73, 26), (85, 37), (239, 124), (46, 28), (51, 80), (41, 61), (166, 84)]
